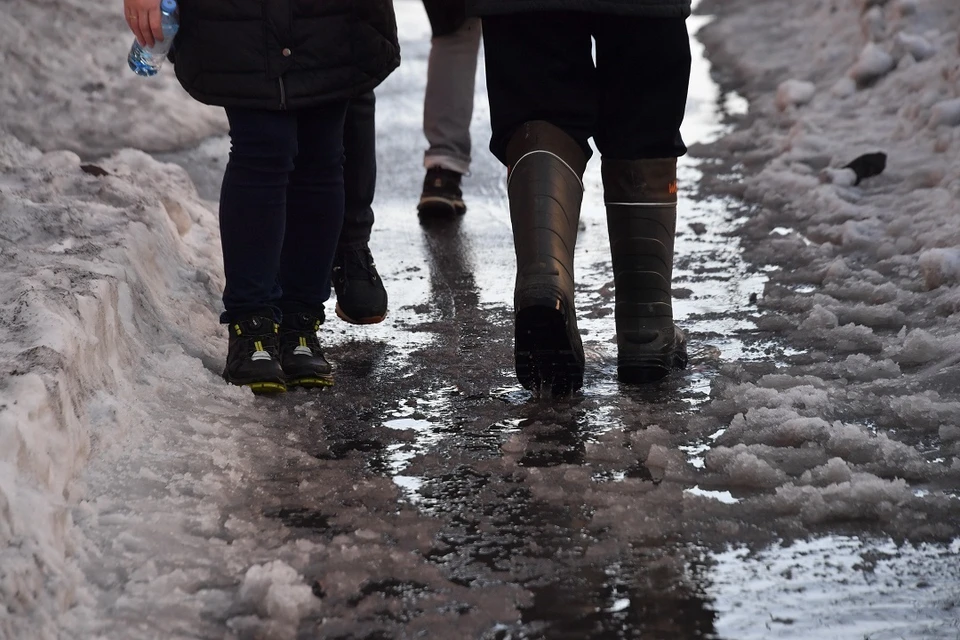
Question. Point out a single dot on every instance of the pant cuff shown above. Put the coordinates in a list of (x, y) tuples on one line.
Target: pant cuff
[(450, 163)]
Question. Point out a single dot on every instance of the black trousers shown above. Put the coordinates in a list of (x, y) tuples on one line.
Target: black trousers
[(631, 100), (359, 169), (281, 209)]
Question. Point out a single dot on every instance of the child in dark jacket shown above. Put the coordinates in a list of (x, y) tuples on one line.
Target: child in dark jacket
[(285, 72)]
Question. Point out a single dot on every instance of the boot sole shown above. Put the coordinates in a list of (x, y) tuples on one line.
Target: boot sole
[(369, 320), (432, 207), (543, 354), (652, 368)]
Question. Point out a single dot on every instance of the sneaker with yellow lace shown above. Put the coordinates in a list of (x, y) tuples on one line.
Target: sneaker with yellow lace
[(300, 354), (253, 355)]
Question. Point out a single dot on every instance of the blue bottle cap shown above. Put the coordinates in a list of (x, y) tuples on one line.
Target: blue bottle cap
[(168, 6)]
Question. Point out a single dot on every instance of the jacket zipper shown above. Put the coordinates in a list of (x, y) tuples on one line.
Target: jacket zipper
[(283, 94)]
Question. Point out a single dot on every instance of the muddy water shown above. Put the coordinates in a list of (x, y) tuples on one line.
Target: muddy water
[(541, 500)]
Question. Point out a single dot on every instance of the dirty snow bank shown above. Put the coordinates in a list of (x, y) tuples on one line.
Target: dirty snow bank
[(866, 283), (103, 269)]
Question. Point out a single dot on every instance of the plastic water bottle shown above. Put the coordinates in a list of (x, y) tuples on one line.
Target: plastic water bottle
[(146, 61)]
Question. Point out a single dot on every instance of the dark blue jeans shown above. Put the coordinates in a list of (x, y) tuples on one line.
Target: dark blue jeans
[(281, 210)]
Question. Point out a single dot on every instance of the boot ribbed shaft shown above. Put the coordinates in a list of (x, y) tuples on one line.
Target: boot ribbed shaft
[(545, 191), (641, 199)]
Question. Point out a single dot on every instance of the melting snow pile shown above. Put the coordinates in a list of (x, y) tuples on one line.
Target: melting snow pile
[(109, 275), (867, 283)]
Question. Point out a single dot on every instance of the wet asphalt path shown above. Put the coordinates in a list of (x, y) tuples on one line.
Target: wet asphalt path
[(448, 502)]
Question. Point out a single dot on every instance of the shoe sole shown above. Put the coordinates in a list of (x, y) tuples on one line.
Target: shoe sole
[(311, 382), (543, 354), (370, 320), (266, 388), (433, 207)]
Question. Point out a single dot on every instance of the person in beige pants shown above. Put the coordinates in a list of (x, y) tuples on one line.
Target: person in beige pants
[(448, 106)]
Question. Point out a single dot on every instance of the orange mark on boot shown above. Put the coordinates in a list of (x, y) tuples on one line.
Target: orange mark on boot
[(672, 188)]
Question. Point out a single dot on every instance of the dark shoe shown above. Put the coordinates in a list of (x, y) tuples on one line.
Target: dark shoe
[(641, 197), (253, 356), (300, 353), (441, 195), (361, 298), (545, 191)]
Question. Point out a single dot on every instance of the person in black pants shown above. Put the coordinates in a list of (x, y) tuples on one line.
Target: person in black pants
[(285, 72), (547, 98), (447, 110), (361, 296)]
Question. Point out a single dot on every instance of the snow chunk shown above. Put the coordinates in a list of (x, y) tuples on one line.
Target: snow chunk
[(819, 319), (919, 347), (792, 93), (834, 472), (743, 468), (940, 266), (873, 64), (907, 7), (945, 113), (917, 46), (859, 366), (925, 412), (864, 497), (277, 591)]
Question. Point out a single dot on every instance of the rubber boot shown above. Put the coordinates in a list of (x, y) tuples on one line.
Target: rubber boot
[(545, 189), (641, 200)]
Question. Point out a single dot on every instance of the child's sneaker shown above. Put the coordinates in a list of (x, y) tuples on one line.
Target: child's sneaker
[(300, 353), (361, 298), (253, 356)]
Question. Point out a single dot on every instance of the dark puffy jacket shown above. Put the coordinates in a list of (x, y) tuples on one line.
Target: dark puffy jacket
[(284, 54), (641, 8)]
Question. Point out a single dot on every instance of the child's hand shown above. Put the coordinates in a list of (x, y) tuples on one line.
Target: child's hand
[(143, 18)]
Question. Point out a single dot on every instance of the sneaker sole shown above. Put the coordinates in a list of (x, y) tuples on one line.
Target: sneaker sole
[(543, 354), (370, 320), (312, 382), (266, 388), (433, 207)]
